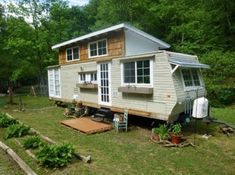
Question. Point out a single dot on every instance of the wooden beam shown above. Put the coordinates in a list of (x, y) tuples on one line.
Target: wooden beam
[(17, 159), (132, 112)]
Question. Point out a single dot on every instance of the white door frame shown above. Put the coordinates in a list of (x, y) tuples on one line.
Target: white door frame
[(104, 97), (52, 83)]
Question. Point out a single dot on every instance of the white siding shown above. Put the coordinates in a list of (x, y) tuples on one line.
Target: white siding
[(163, 99), (137, 44), (70, 79)]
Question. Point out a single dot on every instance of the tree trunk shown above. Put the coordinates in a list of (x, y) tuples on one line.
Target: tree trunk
[(10, 91)]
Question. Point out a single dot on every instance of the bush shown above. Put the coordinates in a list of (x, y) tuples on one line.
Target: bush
[(55, 156), (17, 130), (220, 96), (162, 131), (6, 121), (32, 142)]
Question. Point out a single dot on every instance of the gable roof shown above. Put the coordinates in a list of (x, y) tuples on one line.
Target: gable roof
[(163, 45)]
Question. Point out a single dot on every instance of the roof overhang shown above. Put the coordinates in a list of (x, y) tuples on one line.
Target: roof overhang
[(187, 64), (163, 44), (53, 66)]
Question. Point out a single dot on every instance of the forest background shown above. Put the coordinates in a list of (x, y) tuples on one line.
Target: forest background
[(28, 29)]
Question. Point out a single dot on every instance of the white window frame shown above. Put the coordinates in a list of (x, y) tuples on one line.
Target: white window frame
[(52, 71), (193, 87), (87, 77), (96, 42), (72, 54), (137, 84)]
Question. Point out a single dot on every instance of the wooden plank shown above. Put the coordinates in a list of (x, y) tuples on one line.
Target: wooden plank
[(86, 125), (17, 159), (132, 112)]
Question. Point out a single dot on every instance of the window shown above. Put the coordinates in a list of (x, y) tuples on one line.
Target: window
[(137, 72), (98, 48), (190, 77), (143, 72), (72, 53), (93, 77), (90, 77), (129, 72), (82, 77)]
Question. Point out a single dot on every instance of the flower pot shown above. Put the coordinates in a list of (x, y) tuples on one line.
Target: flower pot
[(176, 139), (155, 137)]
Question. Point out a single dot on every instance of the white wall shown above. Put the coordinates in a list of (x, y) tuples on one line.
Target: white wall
[(136, 44), (70, 79)]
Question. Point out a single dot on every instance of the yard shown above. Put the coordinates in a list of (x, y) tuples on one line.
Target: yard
[(126, 153)]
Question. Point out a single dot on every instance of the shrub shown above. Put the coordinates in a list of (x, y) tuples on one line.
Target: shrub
[(176, 129), (55, 156), (17, 130), (6, 121), (162, 131), (32, 142)]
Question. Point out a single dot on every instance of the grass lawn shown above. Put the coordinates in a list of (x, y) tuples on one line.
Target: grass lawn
[(131, 152), (8, 166)]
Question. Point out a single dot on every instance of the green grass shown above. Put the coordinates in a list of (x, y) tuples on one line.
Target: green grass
[(131, 152), (7, 165)]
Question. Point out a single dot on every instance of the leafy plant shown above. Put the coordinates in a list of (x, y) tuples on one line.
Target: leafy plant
[(17, 130), (6, 121), (176, 129), (55, 156), (162, 131), (32, 142)]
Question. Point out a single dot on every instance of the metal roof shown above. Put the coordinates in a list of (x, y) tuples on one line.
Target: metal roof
[(163, 44), (189, 64)]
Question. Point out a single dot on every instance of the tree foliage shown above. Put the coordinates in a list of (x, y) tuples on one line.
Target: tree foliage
[(204, 28)]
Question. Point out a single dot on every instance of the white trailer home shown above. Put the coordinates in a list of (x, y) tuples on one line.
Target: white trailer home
[(123, 67)]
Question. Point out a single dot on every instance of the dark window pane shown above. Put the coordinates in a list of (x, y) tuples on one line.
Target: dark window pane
[(75, 53), (146, 63), (69, 54), (129, 72), (146, 71), (139, 79), (139, 64), (140, 72), (187, 77), (146, 79)]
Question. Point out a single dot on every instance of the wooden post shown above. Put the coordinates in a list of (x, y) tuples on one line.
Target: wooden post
[(32, 91), (17, 159), (10, 91), (86, 159)]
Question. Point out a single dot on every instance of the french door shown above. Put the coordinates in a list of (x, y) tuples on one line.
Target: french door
[(104, 83), (54, 82)]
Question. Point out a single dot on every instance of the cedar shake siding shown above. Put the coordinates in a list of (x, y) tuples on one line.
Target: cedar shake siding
[(115, 43)]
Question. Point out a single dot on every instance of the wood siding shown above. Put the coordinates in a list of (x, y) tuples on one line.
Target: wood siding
[(115, 43)]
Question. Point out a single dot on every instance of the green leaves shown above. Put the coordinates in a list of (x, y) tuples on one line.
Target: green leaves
[(55, 156), (5, 121), (17, 130), (32, 142)]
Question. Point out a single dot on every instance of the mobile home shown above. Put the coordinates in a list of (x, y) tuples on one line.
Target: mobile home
[(123, 67)]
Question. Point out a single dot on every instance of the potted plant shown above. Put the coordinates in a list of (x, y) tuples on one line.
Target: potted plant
[(160, 133), (176, 133)]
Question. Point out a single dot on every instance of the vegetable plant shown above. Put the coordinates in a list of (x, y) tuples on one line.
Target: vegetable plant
[(162, 131), (176, 129), (6, 121), (32, 142), (55, 156), (17, 130)]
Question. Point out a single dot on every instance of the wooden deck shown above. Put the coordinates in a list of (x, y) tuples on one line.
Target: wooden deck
[(86, 125)]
